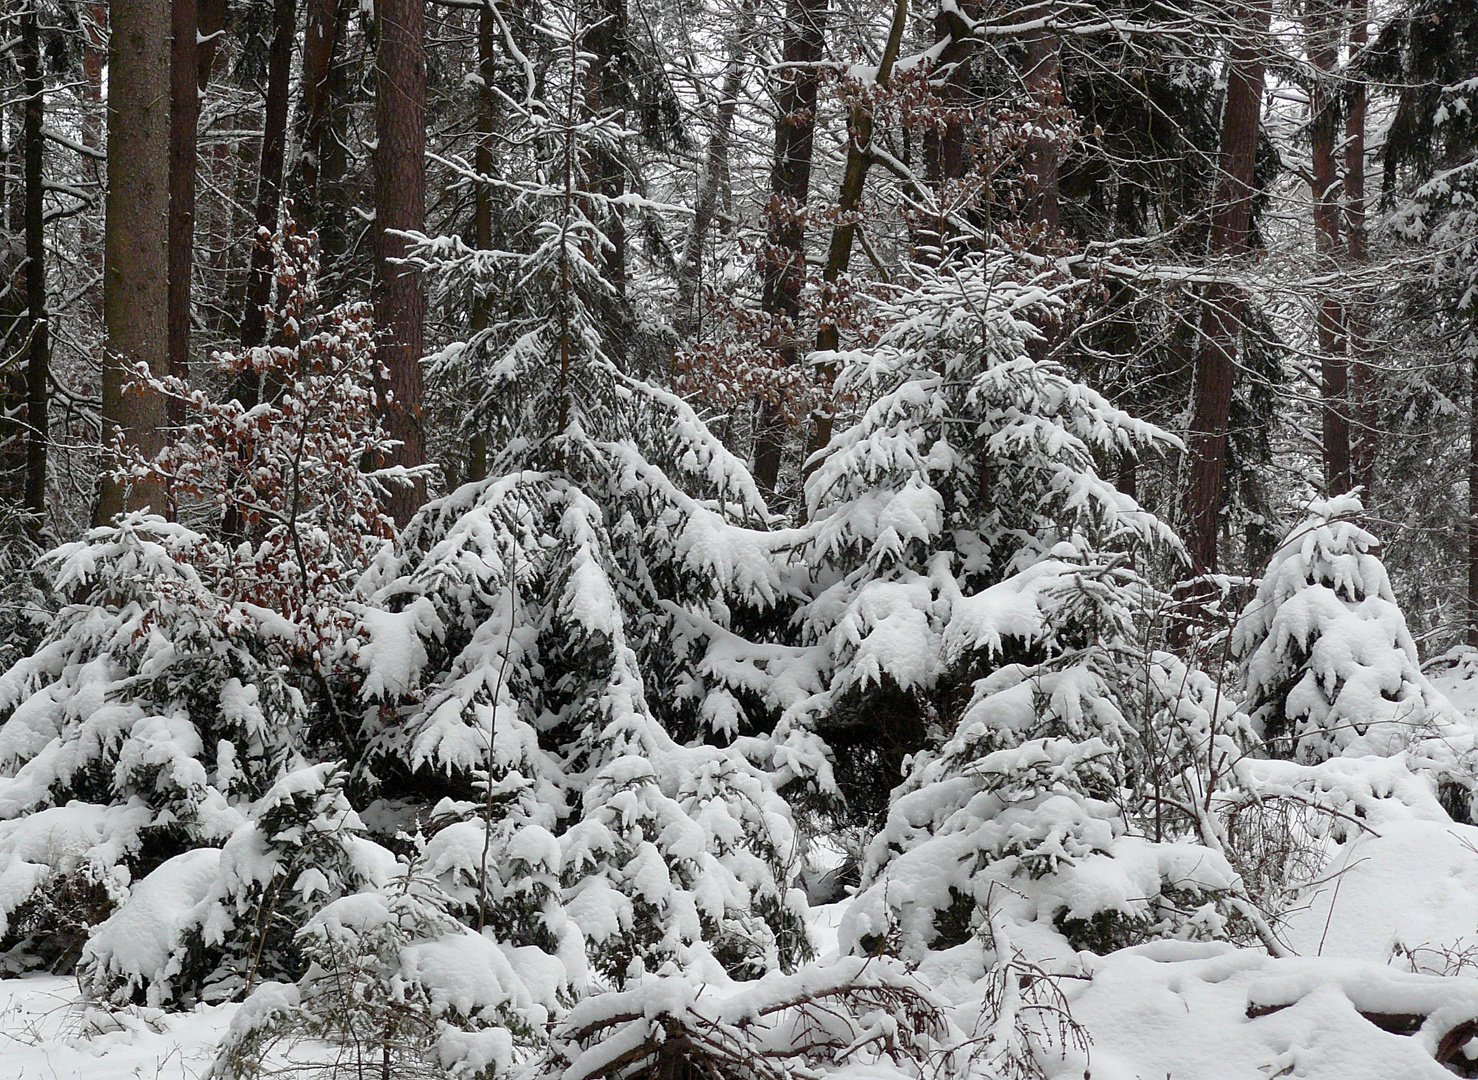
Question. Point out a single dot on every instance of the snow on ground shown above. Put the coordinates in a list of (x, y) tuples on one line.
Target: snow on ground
[(47, 1033), (1181, 1012), (1455, 676), (1176, 1010), (1413, 887)]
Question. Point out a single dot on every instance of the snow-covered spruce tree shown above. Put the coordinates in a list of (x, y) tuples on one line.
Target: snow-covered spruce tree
[(395, 985), (211, 923), (1329, 664), (531, 637), (173, 686), (976, 600)]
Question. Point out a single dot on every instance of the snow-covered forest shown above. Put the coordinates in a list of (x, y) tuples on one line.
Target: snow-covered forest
[(738, 539)]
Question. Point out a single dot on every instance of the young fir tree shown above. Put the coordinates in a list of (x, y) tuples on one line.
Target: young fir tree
[(184, 672), (396, 985), (1330, 667), (975, 591), (212, 923), (532, 634)]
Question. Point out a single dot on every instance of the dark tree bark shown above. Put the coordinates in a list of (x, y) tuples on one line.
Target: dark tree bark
[(259, 276), (1204, 473), (482, 213), (1473, 505), (210, 21), (790, 187), (94, 132), (1042, 77), (607, 95), (400, 204), (1358, 319), (135, 257), (39, 350), (715, 165), (320, 46), (269, 181), (184, 122), (194, 32), (944, 143), (94, 58), (1323, 53), (849, 202)]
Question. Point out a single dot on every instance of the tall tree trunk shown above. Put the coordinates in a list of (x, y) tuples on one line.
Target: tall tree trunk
[(320, 44), (1357, 322), (194, 33), (1323, 53), (482, 214), (400, 204), (94, 17), (135, 256), (210, 23), (269, 181), (715, 164), (790, 187), (184, 122), (607, 96), (260, 271), (849, 202), (1042, 77), (1204, 471), (944, 142), (1473, 503), (94, 58), (39, 352)]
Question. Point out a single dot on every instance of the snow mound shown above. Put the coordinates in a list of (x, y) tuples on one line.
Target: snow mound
[(1236, 1014), (1411, 891), (140, 943)]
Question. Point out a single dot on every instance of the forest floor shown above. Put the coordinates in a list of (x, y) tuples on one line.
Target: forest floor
[(1386, 964)]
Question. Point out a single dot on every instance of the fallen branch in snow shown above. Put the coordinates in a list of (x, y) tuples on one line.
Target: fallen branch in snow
[(1213, 838), (1439, 1012), (778, 1028), (1028, 1014)]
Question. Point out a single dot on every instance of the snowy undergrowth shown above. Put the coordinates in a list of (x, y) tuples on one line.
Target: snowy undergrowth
[(1378, 988), (528, 791)]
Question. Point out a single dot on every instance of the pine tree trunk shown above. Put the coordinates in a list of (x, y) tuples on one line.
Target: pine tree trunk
[(320, 44), (400, 204), (482, 213), (210, 22), (1473, 502), (135, 257), (1323, 53), (184, 91), (94, 58), (944, 143), (849, 203), (39, 350), (790, 187), (1042, 77), (247, 388), (194, 33), (269, 183), (94, 16), (1203, 474), (607, 96), (716, 163), (1357, 323)]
